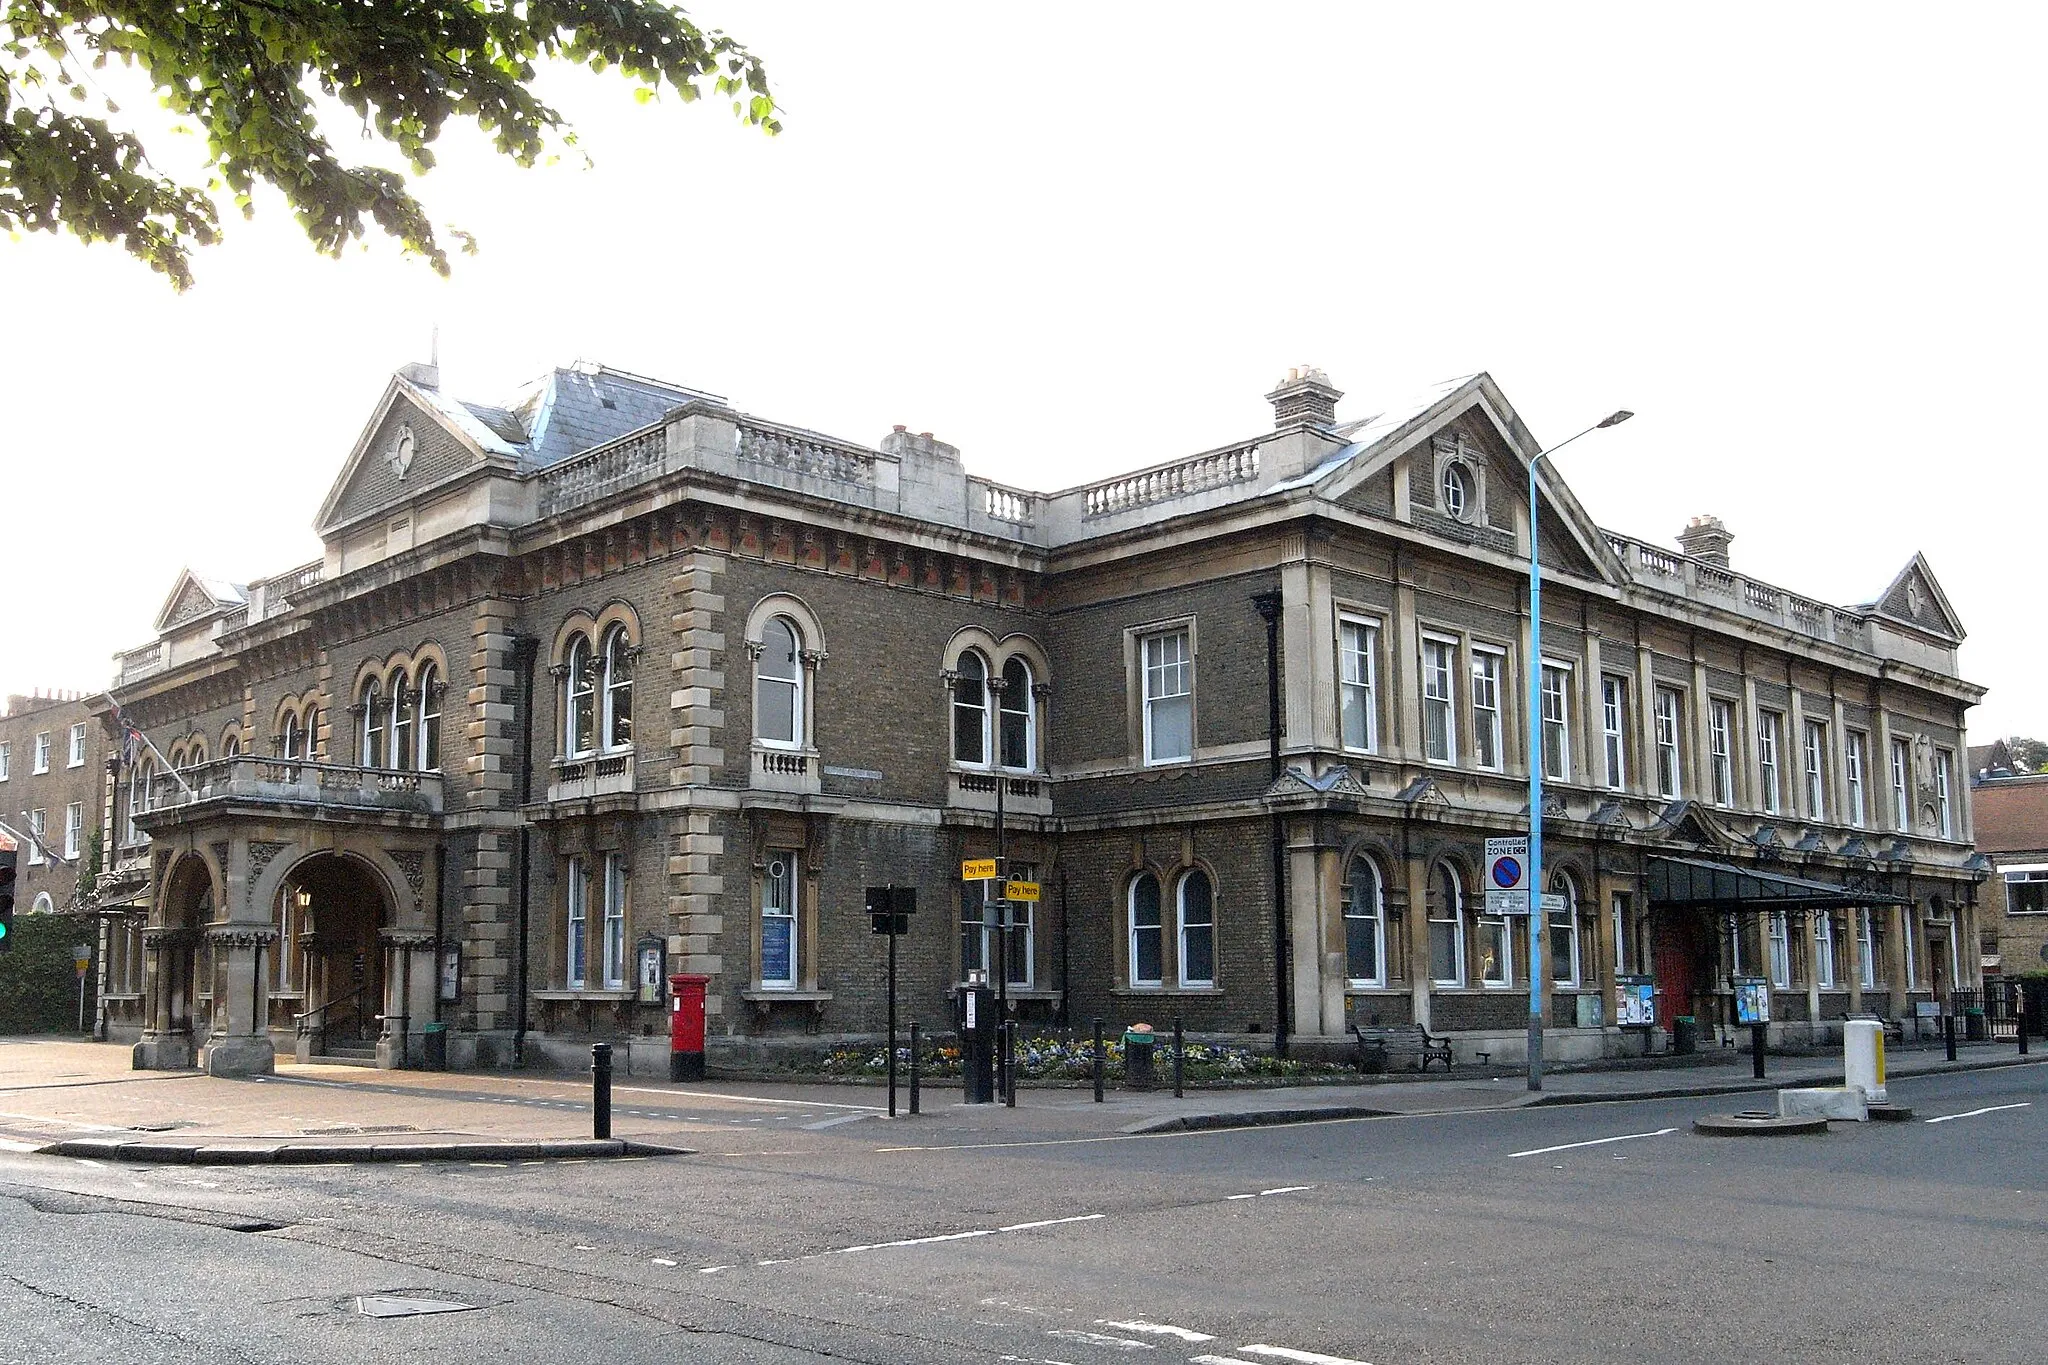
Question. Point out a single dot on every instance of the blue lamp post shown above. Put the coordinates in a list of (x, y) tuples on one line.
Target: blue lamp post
[(1539, 921)]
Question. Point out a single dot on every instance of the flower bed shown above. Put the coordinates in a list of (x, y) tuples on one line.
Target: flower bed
[(1048, 1057)]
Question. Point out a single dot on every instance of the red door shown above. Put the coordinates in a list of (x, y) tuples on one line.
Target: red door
[(1675, 949)]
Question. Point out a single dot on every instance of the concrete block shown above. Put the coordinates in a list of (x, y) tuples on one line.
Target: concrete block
[(1829, 1102)]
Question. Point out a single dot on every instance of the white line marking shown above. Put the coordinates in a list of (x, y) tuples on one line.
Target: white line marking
[(1216, 1360), (84, 1161), (1052, 1222), (1098, 1339), (1288, 1189), (661, 1260), (746, 1099), (713, 1269), (10, 1145), (1158, 1329), (1239, 1196), (1996, 1108), (1594, 1142), (821, 1124), (1304, 1357)]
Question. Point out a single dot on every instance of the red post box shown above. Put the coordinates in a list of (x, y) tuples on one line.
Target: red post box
[(686, 1027)]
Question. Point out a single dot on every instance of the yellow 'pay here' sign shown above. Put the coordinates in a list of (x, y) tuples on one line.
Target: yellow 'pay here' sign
[(1020, 891), (978, 870)]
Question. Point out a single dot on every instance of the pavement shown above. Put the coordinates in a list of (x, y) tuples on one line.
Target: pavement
[(81, 1099)]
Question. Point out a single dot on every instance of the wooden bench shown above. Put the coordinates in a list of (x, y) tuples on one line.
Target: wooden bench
[(1400, 1040)]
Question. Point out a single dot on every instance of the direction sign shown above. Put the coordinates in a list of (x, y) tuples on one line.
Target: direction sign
[(978, 870), (1020, 891)]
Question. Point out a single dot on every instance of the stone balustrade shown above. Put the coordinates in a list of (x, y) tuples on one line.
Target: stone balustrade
[(1684, 576), (1234, 464)]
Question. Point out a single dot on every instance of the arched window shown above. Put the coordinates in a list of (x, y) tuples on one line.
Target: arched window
[(195, 754), (618, 689), (779, 686), (1147, 954), (140, 777), (290, 740), (404, 718), (430, 719), (1564, 931), (1365, 926), (1446, 928), (1197, 916), (970, 709), (1019, 730), (1457, 489), (231, 745), (579, 733), (310, 745), (373, 724), (1495, 948)]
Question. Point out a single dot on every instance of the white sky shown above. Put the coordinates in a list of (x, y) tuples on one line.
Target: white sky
[(1802, 243)]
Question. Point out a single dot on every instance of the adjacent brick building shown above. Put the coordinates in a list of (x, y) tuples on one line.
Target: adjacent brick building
[(2012, 832), (613, 680), (53, 769)]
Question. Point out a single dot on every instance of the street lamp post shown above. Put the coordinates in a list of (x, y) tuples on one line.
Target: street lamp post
[(1539, 921)]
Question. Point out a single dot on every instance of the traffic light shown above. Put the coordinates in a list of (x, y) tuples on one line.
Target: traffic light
[(6, 900)]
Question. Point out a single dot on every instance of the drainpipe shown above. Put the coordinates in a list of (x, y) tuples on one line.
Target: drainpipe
[(1268, 606), (525, 648)]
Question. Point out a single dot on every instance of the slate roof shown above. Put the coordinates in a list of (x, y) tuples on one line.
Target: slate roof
[(568, 411)]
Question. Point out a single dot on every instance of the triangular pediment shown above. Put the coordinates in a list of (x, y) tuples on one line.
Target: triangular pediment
[(193, 597), (1685, 822), (1915, 599), (417, 439), (1470, 424)]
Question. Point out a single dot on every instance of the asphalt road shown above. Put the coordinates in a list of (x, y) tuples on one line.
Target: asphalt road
[(1605, 1232)]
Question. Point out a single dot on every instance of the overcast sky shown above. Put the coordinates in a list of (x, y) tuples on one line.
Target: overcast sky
[(1801, 242)]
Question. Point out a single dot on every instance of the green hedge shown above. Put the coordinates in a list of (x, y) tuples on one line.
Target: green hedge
[(38, 986)]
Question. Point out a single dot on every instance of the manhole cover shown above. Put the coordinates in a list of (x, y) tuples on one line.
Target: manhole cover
[(171, 1126), (404, 1306)]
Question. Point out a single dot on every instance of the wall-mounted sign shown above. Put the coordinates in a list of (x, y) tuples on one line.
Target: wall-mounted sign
[(1507, 876), (451, 973), (978, 870), (1752, 1000), (1636, 1001)]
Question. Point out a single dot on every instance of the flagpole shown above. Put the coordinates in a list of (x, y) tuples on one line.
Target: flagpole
[(33, 838), (130, 728)]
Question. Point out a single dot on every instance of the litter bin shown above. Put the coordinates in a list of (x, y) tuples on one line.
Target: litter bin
[(1685, 1035), (1973, 1024), (434, 1046), (1138, 1045)]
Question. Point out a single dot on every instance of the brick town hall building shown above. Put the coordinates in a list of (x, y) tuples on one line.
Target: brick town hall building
[(615, 681)]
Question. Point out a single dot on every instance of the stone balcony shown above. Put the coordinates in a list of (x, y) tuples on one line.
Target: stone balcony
[(591, 776), (287, 783), (975, 789)]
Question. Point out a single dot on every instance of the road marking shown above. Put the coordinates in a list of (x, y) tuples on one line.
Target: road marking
[(928, 1241), (661, 1260), (823, 1124), (1216, 1360), (10, 1145), (1098, 1339), (1994, 1109), (1052, 1222), (1288, 1189), (1302, 1357), (746, 1099), (713, 1269), (1591, 1142), (1158, 1329)]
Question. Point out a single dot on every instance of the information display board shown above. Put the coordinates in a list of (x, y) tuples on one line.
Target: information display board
[(1752, 1000), (1636, 1005)]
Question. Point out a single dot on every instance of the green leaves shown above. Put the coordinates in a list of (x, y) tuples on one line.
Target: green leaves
[(239, 71)]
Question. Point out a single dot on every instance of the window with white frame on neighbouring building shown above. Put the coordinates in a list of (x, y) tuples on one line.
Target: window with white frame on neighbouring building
[(1439, 700), (1781, 951), (1196, 914), (1168, 663), (42, 757), (981, 913), (1737, 956), (1855, 749), (1721, 749), (779, 965), (1446, 927), (1866, 950), (38, 828), (614, 921), (576, 955), (74, 827), (970, 709), (1824, 949), (1669, 705), (1486, 728), (1365, 929), (779, 686), (1767, 760), (1017, 718), (76, 757), (1944, 816), (1902, 804), (1557, 744), (1620, 915), (1145, 933), (6, 757), (1357, 679), (1493, 947), (1815, 750), (1564, 931), (1613, 729), (2026, 890)]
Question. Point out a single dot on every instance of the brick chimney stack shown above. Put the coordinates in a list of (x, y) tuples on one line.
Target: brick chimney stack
[(1707, 540), (1305, 398)]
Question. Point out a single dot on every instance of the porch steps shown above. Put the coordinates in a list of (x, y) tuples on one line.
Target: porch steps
[(346, 1056)]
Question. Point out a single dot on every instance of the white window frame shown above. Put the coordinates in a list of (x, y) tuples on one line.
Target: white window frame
[(1132, 928), (576, 958), (614, 957), (1671, 783), (1489, 669), (1452, 913), (1779, 950), (74, 826), (798, 728), (1358, 642), (1182, 925), (371, 749), (1866, 949), (1902, 804), (963, 702), (1618, 913), (790, 885), (1814, 746), (1906, 914), (6, 758), (1566, 920), (1735, 946), (1155, 677), (1440, 696), (1023, 703), (616, 651), (77, 748), (1614, 729), (42, 753), (1824, 973), (1721, 749), (1768, 792), (1944, 810), (1497, 929), (1375, 915), (38, 827), (1855, 747), (1456, 489), (2028, 877), (1560, 724)]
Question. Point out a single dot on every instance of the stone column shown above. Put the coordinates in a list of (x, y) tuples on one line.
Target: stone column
[(1417, 919), (1802, 925), (1304, 922), (697, 731), (240, 1043), (1856, 925)]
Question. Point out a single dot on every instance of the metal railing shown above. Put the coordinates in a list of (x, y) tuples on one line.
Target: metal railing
[(303, 1024)]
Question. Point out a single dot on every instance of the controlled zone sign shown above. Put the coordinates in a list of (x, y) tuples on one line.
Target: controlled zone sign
[(1507, 876)]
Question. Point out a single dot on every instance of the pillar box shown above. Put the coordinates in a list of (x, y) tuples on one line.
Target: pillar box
[(686, 1027)]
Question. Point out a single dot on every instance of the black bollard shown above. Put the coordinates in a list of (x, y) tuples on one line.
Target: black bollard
[(1178, 1048), (1010, 1052), (1098, 1061), (916, 1065), (1948, 1034), (1756, 1050), (600, 1090), (2023, 1021)]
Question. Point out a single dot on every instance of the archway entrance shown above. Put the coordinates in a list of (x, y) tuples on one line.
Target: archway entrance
[(342, 962), (179, 980)]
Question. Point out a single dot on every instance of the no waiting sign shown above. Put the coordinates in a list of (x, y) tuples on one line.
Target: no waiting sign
[(1507, 864)]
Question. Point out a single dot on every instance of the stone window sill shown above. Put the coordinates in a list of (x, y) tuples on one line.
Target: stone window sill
[(621, 994), (1144, 992), (768, 995)]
